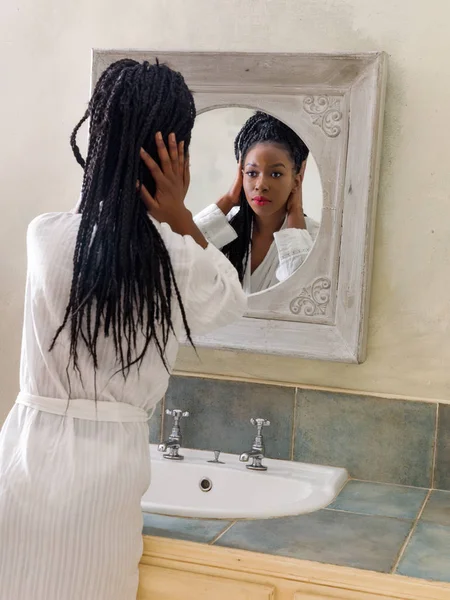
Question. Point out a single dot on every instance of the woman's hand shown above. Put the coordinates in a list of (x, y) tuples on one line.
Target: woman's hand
[(294, 208), (171, 180), (172, 183), (233, 197)]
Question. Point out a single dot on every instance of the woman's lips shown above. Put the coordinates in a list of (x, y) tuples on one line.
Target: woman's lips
[(261, 200)]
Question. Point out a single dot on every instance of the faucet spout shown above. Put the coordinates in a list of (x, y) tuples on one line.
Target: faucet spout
[(170, 449), (246, 456), (169, 445)]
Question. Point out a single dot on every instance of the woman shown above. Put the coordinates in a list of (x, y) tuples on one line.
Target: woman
[(260, 224), (110, 288)]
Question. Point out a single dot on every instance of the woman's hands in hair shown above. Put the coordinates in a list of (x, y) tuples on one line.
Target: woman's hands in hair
[(172, 183), (233, 197), (294, 208), (171, 180)]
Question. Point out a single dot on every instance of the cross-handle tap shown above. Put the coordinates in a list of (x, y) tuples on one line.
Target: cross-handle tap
[(258, 449), (171, 446)]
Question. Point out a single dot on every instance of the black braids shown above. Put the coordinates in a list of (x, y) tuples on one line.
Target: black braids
[(259, 128), (123, 281), (122, 224), (101, 300), (151, 309), (128, 215), (73, 140), (175, 91)]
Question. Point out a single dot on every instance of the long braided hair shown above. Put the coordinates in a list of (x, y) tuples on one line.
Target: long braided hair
[(259, 128), (123, 282)]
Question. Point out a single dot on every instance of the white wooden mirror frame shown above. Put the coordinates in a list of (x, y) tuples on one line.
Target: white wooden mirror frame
[(335, 102)]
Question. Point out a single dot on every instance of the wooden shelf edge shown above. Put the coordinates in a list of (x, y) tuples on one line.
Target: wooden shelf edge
[(195, 557)]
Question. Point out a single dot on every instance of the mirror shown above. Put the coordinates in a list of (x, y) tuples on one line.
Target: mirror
[(269, 174), (316, 306)]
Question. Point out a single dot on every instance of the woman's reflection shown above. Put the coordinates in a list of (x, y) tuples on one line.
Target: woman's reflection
[(260, 224)]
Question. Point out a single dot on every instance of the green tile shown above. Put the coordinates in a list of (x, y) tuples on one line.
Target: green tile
[(437, 509), (221, 412), (442, 472), (192, 530), (427, 555), (380, 499), (376, 439), (326, 536)]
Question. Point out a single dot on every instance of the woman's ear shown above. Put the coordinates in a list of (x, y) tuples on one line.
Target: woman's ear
[(297, 182), (302, 170)]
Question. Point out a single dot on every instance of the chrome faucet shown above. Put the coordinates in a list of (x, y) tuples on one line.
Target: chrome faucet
[(258, 450), (171, 446)]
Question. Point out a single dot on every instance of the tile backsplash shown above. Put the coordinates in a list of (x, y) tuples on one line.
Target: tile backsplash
[(376, 439), (442, 480), (221, 412)]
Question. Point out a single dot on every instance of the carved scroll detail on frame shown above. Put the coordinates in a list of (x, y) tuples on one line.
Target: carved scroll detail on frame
[(313, 299), (325, 111)]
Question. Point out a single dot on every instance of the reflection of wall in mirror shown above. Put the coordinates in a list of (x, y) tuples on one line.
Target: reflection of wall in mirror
[(213, 165)]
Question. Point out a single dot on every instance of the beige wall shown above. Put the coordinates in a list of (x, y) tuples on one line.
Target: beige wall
[(45, 64)]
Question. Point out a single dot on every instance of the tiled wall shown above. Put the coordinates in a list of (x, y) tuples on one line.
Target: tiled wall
[(376, 439)]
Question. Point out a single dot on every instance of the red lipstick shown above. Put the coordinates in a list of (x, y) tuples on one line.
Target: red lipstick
[(261, 200)]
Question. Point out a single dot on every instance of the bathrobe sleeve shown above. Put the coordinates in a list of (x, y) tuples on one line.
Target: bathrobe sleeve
[(293, 246), (215, 226), (209, 285)]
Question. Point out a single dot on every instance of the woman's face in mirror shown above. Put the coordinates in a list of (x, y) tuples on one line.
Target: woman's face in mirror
[(269, 178)]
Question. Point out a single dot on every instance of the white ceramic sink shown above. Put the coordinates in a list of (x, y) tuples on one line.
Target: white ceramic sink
[(286, 488)]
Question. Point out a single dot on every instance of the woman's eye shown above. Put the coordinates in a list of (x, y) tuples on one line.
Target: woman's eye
[(276, 175), (251, 173)]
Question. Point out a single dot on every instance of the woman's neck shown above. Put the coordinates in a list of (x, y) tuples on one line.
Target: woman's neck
[(270, 224)]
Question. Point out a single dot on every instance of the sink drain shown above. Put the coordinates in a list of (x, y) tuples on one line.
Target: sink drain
[(206, 484)]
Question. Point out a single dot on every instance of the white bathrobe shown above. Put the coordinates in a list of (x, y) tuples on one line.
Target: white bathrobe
[(286, 254), (72, 474)]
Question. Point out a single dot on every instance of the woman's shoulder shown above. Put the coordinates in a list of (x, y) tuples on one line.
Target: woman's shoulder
[(312, 227), (53, 229), (54, 220)]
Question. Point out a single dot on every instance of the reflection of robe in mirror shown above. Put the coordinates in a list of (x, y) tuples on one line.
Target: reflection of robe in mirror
[(286, 254)]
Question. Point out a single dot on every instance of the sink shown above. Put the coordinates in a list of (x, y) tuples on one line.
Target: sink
[(195, 488)]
